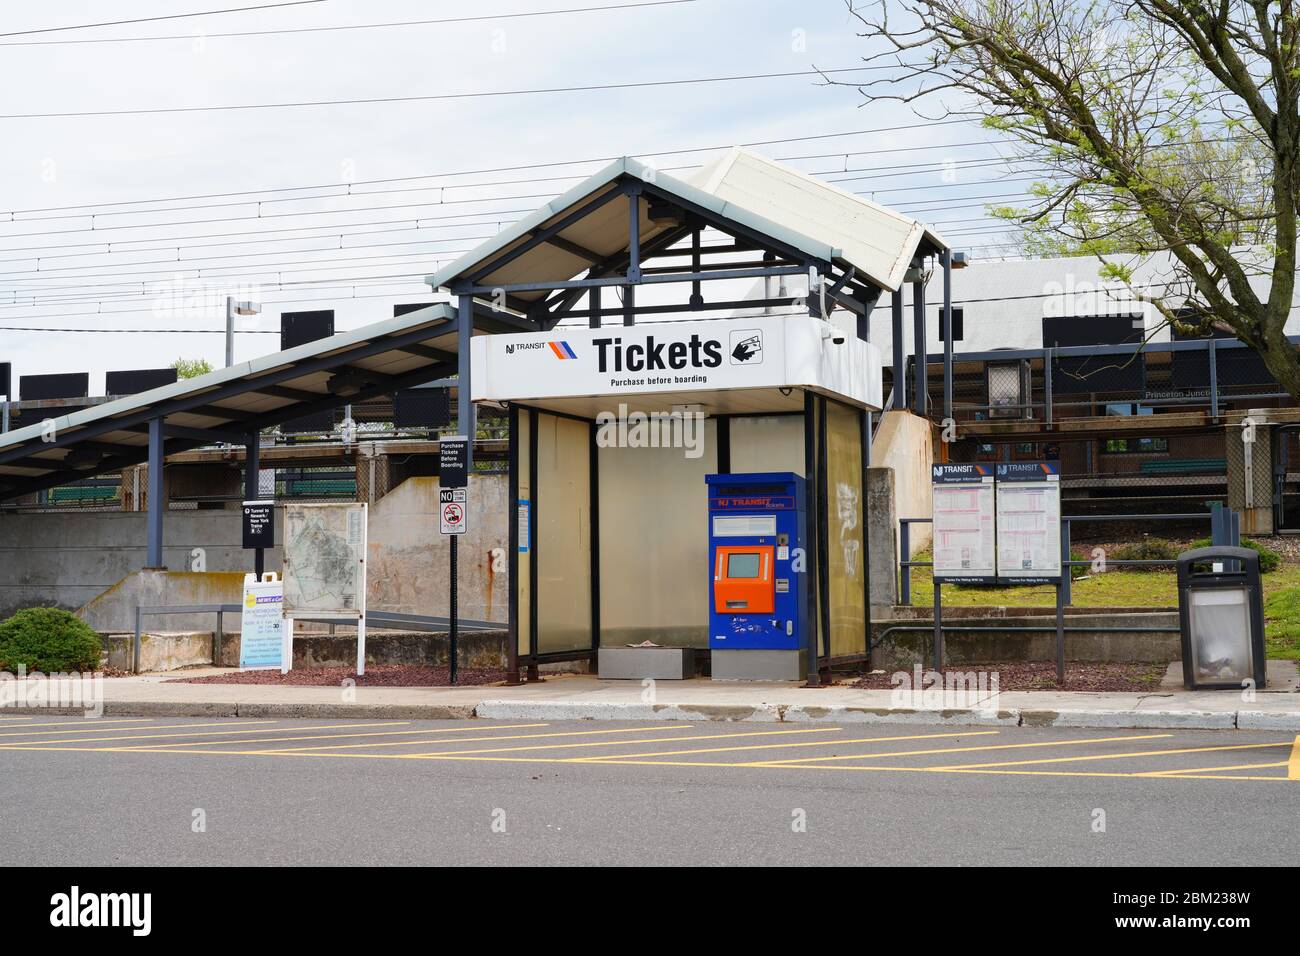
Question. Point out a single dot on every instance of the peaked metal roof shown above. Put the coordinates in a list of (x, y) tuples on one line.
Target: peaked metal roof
[(232, 402), (822, 222), (877, 241)]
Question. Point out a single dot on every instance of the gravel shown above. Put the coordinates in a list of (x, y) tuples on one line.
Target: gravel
[(1041, 675), (380, 675)]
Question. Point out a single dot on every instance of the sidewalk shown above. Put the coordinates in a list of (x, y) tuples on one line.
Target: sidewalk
[(564, 697)]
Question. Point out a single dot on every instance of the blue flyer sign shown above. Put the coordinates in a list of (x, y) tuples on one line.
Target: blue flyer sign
[(260, 644)]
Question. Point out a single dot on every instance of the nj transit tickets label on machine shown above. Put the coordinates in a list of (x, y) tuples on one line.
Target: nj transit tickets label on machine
[(963, 522), (1029, 521)]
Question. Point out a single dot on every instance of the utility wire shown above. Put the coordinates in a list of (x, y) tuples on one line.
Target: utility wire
[(332, 29), (430, 97), (171, 16)]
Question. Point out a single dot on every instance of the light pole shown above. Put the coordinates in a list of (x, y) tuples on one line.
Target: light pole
[(233, 309)]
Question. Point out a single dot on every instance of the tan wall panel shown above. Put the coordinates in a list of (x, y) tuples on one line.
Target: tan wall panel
[(767, 443), (654, 544), (845, 521), (563, 516)]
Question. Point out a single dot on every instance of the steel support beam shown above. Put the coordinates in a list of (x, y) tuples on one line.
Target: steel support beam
[(900, 361), (919, 367), (252, 488), (946, 259), (464, 404), (157, 495)]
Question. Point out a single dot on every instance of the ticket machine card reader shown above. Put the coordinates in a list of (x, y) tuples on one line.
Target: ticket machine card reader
[(756, 541)]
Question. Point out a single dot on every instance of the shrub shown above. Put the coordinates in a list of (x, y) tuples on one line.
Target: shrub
[(1269, 560), (49, 640), (1148, 549)]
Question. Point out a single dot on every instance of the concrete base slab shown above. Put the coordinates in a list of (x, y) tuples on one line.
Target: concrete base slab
[(640, 663), (1280, 677), (758, 665)]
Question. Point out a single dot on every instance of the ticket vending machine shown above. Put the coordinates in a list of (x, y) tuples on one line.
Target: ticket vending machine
[(758, 599)]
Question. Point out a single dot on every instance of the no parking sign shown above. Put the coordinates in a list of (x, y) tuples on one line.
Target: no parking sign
[(452, 513)]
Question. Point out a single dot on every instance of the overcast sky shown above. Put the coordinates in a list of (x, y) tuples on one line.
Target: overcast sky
[(60, 161)]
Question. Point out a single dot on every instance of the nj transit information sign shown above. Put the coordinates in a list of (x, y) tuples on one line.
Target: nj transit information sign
[(1029, 521), (260, 647), (963, 522)]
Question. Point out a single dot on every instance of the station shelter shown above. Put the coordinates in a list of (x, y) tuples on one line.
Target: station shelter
[(626, 386)]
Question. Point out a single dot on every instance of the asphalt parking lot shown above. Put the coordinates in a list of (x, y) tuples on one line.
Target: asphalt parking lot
[(223, 790)]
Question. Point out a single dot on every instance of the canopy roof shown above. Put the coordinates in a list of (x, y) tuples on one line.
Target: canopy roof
[(233, 403), (584, 229)]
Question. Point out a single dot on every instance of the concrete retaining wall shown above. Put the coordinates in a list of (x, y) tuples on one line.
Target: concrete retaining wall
[(91, 562), (903, 649), (67, 560), (905, 443)]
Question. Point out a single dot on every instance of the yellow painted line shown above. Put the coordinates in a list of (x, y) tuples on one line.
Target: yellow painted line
[(611, 758), (958, 750), (95, 730), (27, 745), (462, 754), (90, 723), (411, 743), (1293, 767), (894, 769), (1218, 769), (373, 733), (1120, 756), (614, 743)]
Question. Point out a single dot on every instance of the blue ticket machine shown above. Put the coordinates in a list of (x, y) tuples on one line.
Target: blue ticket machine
[(758, 601)]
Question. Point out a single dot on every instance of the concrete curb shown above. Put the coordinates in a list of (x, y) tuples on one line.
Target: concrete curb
[(557, 710), (609, 710)]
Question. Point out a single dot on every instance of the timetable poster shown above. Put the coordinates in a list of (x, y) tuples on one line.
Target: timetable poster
[(1029, 521), (963, 522)]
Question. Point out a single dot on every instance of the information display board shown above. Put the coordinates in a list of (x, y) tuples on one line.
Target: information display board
[(324, 559), (963, 522), (260, 634), (1029, 521)]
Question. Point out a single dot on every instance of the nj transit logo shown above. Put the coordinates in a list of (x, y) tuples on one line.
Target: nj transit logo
[(562, 350)]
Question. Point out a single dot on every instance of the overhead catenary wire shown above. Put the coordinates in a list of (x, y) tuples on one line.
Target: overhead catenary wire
[(327, 29), (154, 19), (432, 97)]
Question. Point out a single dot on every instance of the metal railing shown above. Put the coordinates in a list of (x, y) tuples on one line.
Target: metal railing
[(1224, 529), (383, 620), (1225, 370)]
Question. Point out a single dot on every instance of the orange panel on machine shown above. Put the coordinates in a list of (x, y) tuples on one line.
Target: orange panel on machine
[(742, 580)]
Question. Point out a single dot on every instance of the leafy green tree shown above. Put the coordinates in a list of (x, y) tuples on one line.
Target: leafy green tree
[(191, 368), (1151, 126)]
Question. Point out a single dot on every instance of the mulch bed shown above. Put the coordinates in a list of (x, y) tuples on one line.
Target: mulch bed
[(379, 675), (1041, 675)]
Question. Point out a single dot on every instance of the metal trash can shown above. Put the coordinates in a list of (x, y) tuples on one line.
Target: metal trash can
[(1221, 617)]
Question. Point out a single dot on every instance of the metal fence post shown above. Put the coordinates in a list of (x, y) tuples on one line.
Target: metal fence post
[(1212, 354), (904, 556), (938, 627), (1047, 386), (135, 646), (1066, 595), (1060, 634)]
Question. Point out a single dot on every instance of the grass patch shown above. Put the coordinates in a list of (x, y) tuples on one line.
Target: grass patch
[(1155, 588)]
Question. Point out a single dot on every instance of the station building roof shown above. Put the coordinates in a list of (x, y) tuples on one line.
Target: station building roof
[(229, 404), (820, 220)]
